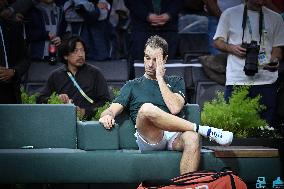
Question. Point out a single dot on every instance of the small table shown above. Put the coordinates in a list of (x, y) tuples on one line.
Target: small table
[(243, 151)]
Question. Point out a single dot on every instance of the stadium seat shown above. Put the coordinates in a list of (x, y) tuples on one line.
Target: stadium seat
[(206, 91), (37, 75)]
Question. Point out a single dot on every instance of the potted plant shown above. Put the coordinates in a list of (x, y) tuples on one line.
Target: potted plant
[(54, 99), (240, 116)]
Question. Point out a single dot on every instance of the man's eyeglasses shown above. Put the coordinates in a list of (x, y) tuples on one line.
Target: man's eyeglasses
[(77, 51)]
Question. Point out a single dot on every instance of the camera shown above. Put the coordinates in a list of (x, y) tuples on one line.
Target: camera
[(251, 62)]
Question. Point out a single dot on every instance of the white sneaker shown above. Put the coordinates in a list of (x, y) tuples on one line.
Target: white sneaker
[(223, 138)]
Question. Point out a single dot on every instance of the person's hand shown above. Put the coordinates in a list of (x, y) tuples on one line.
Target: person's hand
[(19, 17), (6, 13), (51, 35), (80, 111), (56, 41), (103, 5), (153, 18), (236, 50), (272, 66), (160, 65), (64, 98), (107, 121), (6, 74), (158, 20), (163, 19)]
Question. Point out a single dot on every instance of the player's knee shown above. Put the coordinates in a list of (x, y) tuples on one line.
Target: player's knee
[(190, 140), (147, 110)]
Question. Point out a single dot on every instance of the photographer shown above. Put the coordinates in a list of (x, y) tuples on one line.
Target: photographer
[(252, 35)]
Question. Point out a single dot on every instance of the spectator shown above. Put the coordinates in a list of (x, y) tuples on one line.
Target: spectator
[(155, 17), (192, 18), (23, 6), (45, 24), (89, 19), (276, 5), (215, 9), (252, 23), (155, 103), (119, 19), (13, 60), (76, 82)]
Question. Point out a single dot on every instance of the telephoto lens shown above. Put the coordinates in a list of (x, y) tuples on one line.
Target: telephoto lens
[(251, 62)]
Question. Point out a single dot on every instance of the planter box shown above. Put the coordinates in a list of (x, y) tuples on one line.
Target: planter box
[(267, 142)]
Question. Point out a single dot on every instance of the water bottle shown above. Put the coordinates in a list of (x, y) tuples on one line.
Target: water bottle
[(52, 53)]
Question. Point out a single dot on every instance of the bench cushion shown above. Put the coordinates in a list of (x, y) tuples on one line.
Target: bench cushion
[(37, 126), (117, 166), (79, 166), (192, 113), (126, 131), (93, 136)]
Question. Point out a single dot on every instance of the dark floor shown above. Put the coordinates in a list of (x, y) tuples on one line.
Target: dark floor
[(69, 186)]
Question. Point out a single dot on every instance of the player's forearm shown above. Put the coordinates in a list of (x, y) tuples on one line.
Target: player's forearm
[(172, 101), (113, 110), (107, 112)]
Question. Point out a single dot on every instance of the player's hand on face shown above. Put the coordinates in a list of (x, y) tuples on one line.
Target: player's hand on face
[(160, 65), (107, 121)]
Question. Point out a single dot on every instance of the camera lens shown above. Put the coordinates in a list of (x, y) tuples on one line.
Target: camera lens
[(251, 62)]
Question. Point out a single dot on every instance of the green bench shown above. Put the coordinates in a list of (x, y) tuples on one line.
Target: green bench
[(46, 144)]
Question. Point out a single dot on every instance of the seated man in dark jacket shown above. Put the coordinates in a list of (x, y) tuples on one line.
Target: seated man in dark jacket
[(76, 82)]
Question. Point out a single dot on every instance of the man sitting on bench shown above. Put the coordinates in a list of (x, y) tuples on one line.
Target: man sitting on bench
[(155, 102)]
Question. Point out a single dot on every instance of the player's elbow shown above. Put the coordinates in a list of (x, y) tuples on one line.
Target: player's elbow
[(175, 110)]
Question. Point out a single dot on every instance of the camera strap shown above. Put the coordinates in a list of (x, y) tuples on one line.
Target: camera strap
[(246, 20), (79, 88), (4, 48)]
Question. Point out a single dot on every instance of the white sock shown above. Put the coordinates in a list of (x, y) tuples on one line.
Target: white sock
[(195, 127)]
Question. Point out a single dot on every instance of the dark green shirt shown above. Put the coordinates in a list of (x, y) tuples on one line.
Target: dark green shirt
[(156, 6), (142, 90)]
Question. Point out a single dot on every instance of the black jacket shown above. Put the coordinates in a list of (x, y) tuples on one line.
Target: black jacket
[(140, 10), (36, 32), (89, 78), (17, 59)]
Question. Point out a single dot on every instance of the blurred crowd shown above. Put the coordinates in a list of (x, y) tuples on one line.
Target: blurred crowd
[(33, 30)]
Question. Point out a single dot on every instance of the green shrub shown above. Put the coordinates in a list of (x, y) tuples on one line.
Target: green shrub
[(26, 98), (54, 99), (99, 110), (31, 99), (240, 115), (115, 92)]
